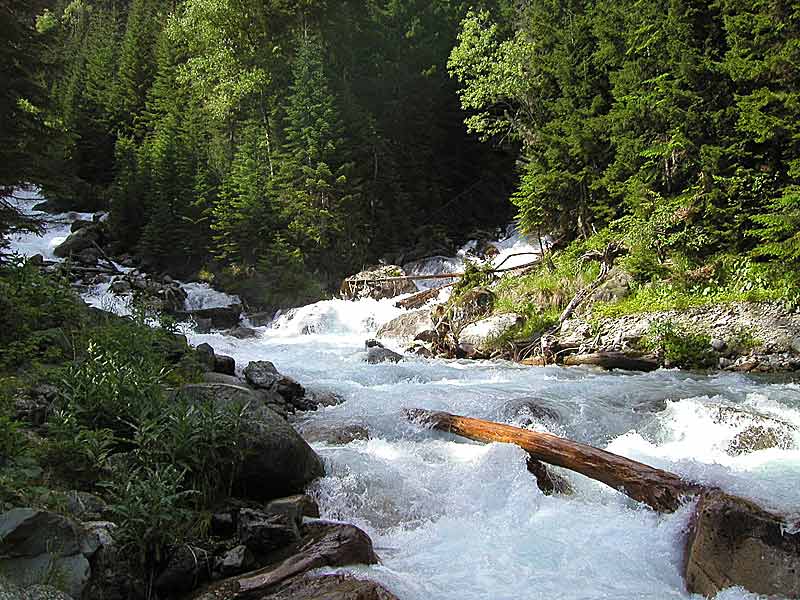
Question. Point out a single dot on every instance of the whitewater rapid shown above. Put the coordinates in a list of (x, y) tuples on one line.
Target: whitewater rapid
[(457, 520)]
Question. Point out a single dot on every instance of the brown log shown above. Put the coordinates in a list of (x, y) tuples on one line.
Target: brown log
[(420, 298), (661, 490), (613, 360)]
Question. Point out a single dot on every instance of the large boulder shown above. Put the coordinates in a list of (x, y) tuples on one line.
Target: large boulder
[(378, 283), (263, 375), (264, 532), (88, 237), (377, 355), (477, 339), (408, 325), (759, 431), (733, 542), (34, 544), (277, 461)]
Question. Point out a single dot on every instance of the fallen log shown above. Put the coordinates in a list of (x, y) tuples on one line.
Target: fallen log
[(661, 490), (420, 298), (731, 541), (613, 360)]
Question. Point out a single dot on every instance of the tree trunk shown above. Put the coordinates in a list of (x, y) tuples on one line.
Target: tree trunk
[(661, 490)]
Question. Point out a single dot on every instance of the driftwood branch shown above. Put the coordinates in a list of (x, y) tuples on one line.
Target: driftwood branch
[(420, 298), (661, 490)]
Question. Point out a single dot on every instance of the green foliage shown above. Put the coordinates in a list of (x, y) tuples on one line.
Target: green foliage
[(77, 453), (679, 346), (151, 510), (36, 315)]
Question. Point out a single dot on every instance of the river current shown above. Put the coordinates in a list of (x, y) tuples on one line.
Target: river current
[(453, 519)]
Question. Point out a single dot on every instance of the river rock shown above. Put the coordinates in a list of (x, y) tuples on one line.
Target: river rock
[(377, 355), (264, 532), (371, 284), (760, 432), (222, 317), (80, 240), (80, 224), (242, 333), (525, 412), (335, 435), (214, 377), (294, 507), (206, 355), (408, 325), (85, 506), (277, 461), (186, 568), (224, 364), (477, 339), (733, 542), (121, 287), (330, 587), (35, 543), (236, 560), (261, 374)]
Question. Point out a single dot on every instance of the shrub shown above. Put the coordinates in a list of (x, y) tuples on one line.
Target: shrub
[(78, 454), (679, 346)]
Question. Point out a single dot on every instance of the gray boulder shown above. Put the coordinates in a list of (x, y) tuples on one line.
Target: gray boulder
[(409, 325), (476, 339), (80, 240), (330, 587), (34, 544), (261, 374), (277, 461), (186, 569), (294, 508), (223, 317), (236, 560), (242, 333), (224, 364)]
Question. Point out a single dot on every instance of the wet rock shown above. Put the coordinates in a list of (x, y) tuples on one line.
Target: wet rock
[(263, 532), (173, 298), (371, 284), (324, 397), (237, 560), (35, 543), (242, 333), (80, 240), (37, 260), (202, 325), (335, 435), (261, 374), (224, 317), (277, 461), (408, 325), (80, 224), (421, 349), (760, 437), (187, 568), (373, 344), (206, 355), (477, 339), (224, 364), (378, 355), (733, 542), (260, 319), (294, 508), (526, 412), (330, 587)]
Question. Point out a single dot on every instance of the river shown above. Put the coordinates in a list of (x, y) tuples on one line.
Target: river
[(456, 520)]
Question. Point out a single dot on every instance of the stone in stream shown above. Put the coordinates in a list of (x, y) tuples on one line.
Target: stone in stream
[(371, 284), (224, 364), (82, 239), (478, 339), (36, 543), (761, 432), (264, 532), (222, 317), (206, 355), (277, 461), (242, 333), (733, 542), (330, 587), (409, 326), (377, 355), (263, 375), (335, 435), (294, 507)]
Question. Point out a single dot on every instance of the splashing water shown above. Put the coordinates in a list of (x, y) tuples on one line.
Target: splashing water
[(453, 519)]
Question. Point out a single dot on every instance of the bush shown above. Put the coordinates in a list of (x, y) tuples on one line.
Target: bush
[(679, 346), (37, 313), (77, 453)]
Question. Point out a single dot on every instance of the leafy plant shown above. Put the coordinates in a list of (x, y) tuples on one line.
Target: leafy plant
[(678, 345)]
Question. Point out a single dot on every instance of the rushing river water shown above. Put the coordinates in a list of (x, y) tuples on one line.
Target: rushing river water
[(457, 520)]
